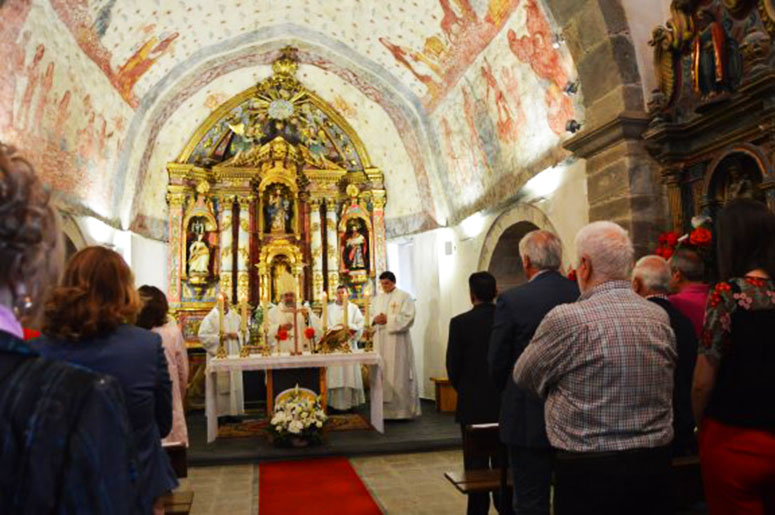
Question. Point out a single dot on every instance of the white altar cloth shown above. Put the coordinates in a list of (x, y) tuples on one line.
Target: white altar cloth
[(285, 360)]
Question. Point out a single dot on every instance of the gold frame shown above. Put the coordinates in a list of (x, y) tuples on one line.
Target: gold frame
[(267, 255)]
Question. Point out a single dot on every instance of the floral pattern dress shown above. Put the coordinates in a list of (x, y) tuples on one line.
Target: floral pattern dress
[(749, 293)]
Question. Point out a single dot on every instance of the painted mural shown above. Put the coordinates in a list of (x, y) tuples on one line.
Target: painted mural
[(64, 117), (508, 113)]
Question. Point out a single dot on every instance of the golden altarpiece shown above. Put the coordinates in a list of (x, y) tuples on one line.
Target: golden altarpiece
[(274, 182)]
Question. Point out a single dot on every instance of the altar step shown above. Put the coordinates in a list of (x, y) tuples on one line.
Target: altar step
[(430, 432)]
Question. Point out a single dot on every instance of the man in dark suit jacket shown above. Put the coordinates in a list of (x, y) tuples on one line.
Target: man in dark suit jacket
[(518, 313), (478, 400), (651, 280)]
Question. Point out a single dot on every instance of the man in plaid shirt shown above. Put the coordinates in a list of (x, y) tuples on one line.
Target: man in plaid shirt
[(605, 365)]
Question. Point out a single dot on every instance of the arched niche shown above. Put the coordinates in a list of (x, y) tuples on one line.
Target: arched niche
[(738, 173)]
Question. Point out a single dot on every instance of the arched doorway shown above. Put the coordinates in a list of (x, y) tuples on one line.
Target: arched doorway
[(505, 263)]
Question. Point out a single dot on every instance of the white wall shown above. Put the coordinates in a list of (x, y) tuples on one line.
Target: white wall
[(643, 16), (439, 281)]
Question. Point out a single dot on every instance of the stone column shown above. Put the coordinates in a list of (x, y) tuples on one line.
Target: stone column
[(243, 249), (333, 248), (380, 238), (316, 247), (226, 244), (673, 182), (622, 178), (176, 256)]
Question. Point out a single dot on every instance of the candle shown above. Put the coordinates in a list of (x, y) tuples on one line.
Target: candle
[(220, 315), (366, 308), (324, 301), (345, 309), (244, 319)]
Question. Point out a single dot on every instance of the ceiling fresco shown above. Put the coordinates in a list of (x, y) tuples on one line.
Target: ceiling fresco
[(453, 98)]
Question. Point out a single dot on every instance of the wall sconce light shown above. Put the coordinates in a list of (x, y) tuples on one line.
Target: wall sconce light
[(572, 126), (571, 88), (557, 40)]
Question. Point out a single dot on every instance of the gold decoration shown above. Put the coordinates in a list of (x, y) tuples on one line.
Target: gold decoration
[(767, 12)]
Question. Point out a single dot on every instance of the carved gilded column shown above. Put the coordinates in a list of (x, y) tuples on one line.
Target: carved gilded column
[(227, 244), (243, 249), (380, 237), (176, 255), (316, 247), (333, 248), (673, 182)]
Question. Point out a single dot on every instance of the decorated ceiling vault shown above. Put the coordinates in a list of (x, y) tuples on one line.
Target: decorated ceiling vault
[(273, 186), (458, 101)]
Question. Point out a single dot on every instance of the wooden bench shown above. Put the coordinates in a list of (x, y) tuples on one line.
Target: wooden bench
[(482, 440), (178, 503)]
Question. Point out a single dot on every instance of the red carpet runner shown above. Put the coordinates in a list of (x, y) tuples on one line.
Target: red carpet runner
[(319, 486)]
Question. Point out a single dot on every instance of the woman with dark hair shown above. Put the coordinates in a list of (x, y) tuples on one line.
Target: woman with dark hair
[(88, 322), (733, 393), (155, 316), (64, 432)]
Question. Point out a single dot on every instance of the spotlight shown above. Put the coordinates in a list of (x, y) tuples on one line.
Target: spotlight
[(572, 126), (557, 40), (571, 88)]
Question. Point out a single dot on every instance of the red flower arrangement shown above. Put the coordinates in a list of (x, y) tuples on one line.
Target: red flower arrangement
[(309, 333), (668, 241), (572, 275), (701, 237), (282, 335)]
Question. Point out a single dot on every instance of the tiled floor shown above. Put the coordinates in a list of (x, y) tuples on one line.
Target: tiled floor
[(400, 483)]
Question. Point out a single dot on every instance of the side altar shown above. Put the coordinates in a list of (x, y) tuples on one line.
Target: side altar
[(274, 183)]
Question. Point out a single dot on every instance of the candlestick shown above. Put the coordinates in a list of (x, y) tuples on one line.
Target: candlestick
[(244, 317), (295, 332), (324, 300), (366, 299), (345, 309), (220, 315), (221, 352)]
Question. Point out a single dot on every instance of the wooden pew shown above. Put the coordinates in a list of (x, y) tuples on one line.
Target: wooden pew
[(482, 440)]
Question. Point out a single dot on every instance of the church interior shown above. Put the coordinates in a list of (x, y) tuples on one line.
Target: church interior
[(238, 153)]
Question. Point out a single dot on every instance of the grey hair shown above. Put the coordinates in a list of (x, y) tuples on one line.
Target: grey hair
[(543, 249), (689, 263), (654, 271), (608, 248)]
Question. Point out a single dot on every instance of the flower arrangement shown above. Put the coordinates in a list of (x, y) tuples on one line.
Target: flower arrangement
[(309, 333), (282, 335), (298, 419), (699, 239), (668, 241)]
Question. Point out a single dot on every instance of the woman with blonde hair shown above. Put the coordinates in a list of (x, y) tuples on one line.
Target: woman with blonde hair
[(66, 441), (88, 321)]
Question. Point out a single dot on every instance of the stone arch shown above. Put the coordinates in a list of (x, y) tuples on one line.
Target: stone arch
[(519, 213), (73, 236)]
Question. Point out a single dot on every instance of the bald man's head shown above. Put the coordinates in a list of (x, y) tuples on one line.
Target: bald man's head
[(651, 276)]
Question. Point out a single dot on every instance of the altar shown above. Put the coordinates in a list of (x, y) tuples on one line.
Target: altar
[(273, 187), (286, 361)]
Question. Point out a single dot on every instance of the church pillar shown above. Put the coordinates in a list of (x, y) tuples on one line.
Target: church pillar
[(380, 238), (243, 249), (316, 248), (176, 256), (226, 244), (333, 248)]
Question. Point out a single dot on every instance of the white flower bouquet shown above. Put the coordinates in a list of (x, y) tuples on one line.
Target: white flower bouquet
[(298, 419)]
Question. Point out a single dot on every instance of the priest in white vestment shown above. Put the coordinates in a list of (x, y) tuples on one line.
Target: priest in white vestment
[(229, 394), (345, 384), (281, 320), (395, 316)]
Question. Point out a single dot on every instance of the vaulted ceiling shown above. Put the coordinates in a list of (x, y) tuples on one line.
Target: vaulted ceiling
[(458, 101)]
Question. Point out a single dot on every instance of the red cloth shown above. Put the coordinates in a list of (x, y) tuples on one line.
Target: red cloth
[(30, 334), (738, 469), (691, 302), (321, 486)]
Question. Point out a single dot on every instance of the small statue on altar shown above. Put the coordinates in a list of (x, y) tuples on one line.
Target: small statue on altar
[(198, 257), (355, 247), (278, 210)]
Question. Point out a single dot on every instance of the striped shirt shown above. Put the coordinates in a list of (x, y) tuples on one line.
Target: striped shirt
[(604, 365)]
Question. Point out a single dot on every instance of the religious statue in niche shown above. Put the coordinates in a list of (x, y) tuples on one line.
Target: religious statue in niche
[(716, 60), (198, 251), (356, 246), (280, 268), (278, 210), (739, 178)]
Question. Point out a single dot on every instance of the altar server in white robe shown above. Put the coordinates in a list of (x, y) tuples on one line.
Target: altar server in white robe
[(395, 316), (229, 394), (345, 384), (280, 320)]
